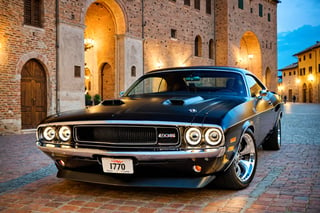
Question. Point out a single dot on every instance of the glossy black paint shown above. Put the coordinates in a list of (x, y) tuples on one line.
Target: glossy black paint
[(233, 113)]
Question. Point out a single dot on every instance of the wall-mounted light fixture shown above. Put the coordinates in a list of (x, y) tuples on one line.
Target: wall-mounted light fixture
[(310, 77), (88, 43)]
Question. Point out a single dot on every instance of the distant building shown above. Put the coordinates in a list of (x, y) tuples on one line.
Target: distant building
[(53, 52), (302, 79)]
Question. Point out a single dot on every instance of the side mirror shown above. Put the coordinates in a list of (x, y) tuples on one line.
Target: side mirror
[(121, 93), (263, 93)]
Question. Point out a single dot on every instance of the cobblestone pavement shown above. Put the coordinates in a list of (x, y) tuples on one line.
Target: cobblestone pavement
[(286, 181)]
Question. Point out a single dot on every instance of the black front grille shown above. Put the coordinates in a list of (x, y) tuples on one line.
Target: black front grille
[(104, 136)]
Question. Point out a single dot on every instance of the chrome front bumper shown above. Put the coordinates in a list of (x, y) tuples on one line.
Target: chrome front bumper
[(139, 155)]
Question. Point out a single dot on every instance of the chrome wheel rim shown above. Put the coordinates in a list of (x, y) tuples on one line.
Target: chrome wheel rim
[(245, 158)]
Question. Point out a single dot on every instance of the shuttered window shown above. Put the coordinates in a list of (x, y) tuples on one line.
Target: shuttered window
[(32, 12)]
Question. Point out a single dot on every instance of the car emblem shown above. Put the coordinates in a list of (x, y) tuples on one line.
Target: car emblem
[(166, 135)]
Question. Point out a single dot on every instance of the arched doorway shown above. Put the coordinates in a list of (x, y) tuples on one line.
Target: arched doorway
[(268, 78), (33, 94), (107, 88), (304, 93), (250, 54), (310, 93), (104, 21)]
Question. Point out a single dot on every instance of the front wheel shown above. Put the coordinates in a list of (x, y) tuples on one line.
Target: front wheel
[(241, 172)]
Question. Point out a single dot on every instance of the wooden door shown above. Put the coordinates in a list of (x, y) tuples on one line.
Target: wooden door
[(33, 94)]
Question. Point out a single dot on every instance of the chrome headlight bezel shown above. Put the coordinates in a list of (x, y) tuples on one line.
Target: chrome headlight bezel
[(49, 133), (193, 136), (65, 133), (213, 136)]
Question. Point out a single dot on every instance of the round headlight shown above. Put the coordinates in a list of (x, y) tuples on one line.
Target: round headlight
[(193, 136), (213, 137), (49, 133), (65, 133)]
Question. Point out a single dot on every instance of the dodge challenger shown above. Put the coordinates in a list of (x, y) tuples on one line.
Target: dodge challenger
[(187, 127)]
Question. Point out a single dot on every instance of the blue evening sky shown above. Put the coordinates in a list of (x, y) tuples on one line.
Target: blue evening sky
[(298, 28)]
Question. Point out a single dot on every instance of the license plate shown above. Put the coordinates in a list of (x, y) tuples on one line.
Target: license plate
[(116, 165)]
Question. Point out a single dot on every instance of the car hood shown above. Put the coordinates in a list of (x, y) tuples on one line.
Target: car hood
[(194, 109)]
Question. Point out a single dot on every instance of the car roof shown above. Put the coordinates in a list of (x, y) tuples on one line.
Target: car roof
[(207, 68)]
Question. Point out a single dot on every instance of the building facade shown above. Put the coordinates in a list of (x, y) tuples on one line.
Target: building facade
[(52, 53), (301, 80)]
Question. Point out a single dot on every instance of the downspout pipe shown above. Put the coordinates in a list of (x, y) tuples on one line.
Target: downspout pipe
[(57, 59), (142, 32)]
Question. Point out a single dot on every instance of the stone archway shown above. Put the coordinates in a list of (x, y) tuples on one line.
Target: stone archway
[(268, 78), (250, 54), (33, 94), (104, 21)]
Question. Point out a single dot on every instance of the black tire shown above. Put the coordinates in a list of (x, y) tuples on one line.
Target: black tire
[(241, 172), (274, 141)]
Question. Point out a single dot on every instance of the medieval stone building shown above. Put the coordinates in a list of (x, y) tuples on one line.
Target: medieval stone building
[(53, 52)]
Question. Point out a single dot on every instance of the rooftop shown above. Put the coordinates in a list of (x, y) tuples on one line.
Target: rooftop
[(308, 49)]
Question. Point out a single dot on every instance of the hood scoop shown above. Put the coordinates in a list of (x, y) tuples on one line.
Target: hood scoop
[(112, 102), (183, 101)]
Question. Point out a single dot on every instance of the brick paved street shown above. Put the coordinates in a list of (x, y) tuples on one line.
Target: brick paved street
[(286, 181)]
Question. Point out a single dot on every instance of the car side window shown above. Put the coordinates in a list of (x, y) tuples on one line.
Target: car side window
[(254, 85)]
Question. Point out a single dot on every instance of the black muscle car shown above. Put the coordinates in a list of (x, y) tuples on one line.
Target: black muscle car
[(178, 127)]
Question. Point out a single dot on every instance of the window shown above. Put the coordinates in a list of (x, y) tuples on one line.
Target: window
[(310, 55), (269, 17), (197, 46), (289, 73), (197, 4), (187, 2), (173, 33), (318, 67), (33, 12), (77, 71), (133, 71), (211, 48), (208, 6), (284, 74), (255, 86), (260, 10), (304, 57), (310, 70), (240, 4)]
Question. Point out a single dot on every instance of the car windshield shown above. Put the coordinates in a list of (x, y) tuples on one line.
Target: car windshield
[(196, 82)]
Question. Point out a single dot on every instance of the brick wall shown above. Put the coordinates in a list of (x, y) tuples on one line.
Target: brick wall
[(19, 43)]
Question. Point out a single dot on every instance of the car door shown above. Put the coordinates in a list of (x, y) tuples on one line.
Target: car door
[(262, 106)]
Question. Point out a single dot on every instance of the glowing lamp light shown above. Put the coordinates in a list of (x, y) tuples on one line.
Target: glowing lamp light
[(88, 43), (298, 81), (250, 56), (310, 77)]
